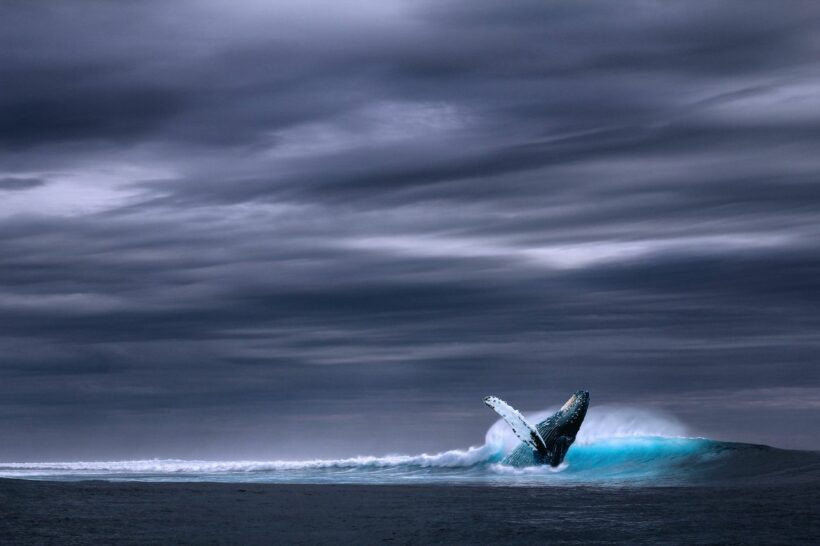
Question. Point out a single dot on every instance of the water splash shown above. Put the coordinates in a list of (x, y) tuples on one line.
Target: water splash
[(617, 445), (601, 422), (448, 459)]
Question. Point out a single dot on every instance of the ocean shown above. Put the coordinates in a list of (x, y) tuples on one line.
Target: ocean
[(624, 447), (632, 477)]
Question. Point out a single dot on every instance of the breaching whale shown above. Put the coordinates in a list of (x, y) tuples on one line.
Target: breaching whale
[(548, 441)]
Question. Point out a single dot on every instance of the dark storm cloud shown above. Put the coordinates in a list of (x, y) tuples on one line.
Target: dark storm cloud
[(222, 225)]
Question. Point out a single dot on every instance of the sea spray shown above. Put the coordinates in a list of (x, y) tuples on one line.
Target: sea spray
[(601, 422), (617, 446)]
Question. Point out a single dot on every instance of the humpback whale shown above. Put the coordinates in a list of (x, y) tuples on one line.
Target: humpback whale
[(548, 441)]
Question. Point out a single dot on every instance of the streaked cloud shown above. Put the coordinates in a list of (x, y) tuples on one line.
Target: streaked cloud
[(240, 219)]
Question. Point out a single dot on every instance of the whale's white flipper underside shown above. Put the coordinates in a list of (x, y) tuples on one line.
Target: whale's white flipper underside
[(525, 431)]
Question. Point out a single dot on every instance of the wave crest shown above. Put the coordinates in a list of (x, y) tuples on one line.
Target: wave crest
[(455, 458), (616, 445), (601, 422)]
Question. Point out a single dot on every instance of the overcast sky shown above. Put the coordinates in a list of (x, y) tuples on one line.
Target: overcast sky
[(285, 229)]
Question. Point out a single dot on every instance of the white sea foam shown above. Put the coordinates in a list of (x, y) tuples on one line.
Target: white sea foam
[(601, 423), (448, 459)]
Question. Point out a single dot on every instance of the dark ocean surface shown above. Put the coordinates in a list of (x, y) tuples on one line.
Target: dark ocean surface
[(618, 485), (38, 512)]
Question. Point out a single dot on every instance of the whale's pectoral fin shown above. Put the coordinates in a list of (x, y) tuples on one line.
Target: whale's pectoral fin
[(525, 431)]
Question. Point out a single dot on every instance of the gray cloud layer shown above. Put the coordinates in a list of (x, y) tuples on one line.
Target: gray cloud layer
[(232, 230)]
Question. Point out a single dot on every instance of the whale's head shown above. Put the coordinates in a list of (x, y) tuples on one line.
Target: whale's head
[(572, 413)]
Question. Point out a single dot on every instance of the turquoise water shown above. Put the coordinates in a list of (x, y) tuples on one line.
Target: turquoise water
[(616, 446), (638, 460)]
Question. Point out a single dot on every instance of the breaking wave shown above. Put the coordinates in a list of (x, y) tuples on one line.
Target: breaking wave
[(614, 446)]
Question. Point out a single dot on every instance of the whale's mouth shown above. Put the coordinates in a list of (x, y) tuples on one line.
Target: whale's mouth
[(569, 404)]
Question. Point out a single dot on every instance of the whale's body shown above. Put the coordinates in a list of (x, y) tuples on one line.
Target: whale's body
[(548, 441)]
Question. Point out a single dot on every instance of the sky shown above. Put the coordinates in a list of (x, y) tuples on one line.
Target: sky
[(287, 229)]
